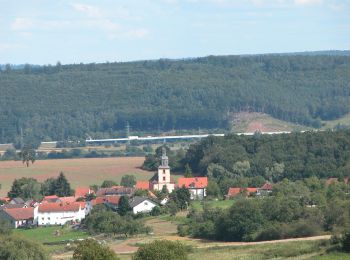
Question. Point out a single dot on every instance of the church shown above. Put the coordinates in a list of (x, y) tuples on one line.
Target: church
[(158, 181), (197, 185)]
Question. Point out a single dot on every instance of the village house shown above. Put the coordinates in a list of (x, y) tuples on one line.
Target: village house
[(233, 192), (20, 217), (59, 213), (81, 192), (264, 190), (110, 201), (197, 186), (115, 190), (142, 204)]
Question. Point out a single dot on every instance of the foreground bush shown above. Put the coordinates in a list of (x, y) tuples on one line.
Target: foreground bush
[(162, 250), (17, 248), (91, 250)]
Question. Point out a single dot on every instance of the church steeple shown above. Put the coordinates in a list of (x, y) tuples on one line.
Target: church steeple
[(165, 160)]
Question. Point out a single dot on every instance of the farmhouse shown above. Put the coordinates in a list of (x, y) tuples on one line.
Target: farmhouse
[(142, 205), (59, 213), (20, 217), (197, 186)]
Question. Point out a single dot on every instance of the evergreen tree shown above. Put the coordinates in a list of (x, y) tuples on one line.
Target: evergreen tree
[(62, 186), (124, 206)]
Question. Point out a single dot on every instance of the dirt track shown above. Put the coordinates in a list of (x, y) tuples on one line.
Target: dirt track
[(127, 247)]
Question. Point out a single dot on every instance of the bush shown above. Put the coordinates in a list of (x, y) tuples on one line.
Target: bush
[(162, 250), (16, 248), (90, 249), (345, 242)]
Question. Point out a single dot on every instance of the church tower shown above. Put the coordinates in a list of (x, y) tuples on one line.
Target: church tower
[(164, 174), (164, 169)]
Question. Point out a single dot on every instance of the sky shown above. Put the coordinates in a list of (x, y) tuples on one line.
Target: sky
[(70, 31)]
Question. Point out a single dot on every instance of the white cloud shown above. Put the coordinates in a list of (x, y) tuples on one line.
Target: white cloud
[(137, 33), (22, 24), (89, 10), (308, 2), (10, 46)]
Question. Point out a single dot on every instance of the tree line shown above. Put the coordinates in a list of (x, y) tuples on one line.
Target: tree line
[(294, 209), (69, 101)]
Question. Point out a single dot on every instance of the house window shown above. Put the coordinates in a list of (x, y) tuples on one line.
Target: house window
[(163, 171), (164, 178)]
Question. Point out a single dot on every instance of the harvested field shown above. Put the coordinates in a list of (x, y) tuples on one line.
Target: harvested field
[(79, 172)]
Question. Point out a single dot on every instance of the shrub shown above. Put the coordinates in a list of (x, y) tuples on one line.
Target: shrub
[(91, 249), (162, 250)]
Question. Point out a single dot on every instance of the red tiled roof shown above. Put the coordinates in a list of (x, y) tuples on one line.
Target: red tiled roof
[(106, 199), (51, 197), (196, 182), (142, 185), (59, 207), (233, 192), (251, 190), (20, 213), (82, 191), (267, 186), (7, 199), (151, 194), (118, 190), (331, 181), (67, 199)]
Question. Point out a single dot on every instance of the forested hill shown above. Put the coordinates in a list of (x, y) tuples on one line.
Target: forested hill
[(59, 102)]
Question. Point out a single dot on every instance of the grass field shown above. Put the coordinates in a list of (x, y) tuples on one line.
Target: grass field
[(47, 234), (79, 172), (223, 204)]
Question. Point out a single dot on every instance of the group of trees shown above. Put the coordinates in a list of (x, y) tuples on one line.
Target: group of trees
[(18, 248), (104, 220), (295, 209), (30, 188), (99, 99), (156, 250), (229, 160)]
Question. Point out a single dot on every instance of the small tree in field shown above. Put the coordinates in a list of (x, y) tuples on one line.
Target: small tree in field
[(90, 249), (27, 155)]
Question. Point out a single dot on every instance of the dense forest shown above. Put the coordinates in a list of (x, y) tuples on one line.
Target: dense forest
[(69, 101), (274, 157)]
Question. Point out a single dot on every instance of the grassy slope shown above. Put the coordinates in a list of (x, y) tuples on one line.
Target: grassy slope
[(249, 122), (345, 120)]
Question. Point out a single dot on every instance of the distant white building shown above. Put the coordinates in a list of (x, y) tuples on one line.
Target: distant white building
[(142, 205), (60, 213)]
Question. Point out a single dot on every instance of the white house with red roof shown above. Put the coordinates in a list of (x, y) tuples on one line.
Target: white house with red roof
[(196, 185), (59, 213), (20, 217)]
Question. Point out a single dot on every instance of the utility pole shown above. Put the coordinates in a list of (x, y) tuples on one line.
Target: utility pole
[(127, 131), (21, 140)]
